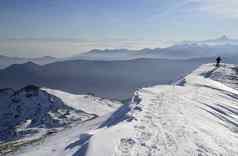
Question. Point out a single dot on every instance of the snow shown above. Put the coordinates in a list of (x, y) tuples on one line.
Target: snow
[(197, 116), (86, 103), (61, 144), (32, 113)]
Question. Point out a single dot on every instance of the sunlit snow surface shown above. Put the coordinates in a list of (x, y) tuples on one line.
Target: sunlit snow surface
[(86, 103), (197, 116)]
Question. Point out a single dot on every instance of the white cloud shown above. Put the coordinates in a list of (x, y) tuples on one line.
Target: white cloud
[(218, 8)]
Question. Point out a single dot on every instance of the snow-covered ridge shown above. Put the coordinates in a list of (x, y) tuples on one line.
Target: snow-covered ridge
[(31, 107), (198, 116), (34, 109), (87, 103)]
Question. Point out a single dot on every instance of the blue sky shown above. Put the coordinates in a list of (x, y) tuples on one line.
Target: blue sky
[(67, 27)]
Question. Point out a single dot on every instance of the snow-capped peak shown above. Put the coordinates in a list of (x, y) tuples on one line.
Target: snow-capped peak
[(33, 107), (38, 106), (223, 38)]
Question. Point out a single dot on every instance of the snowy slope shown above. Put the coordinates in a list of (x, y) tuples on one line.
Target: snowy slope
[(198, 116), (30, 108), (32, 112), (65, 143), (86, 103)]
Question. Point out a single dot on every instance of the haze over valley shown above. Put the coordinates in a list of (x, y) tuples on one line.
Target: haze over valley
[(118, 78)]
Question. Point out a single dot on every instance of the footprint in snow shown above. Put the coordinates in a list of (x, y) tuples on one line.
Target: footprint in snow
[(145, 136), (125, 146)]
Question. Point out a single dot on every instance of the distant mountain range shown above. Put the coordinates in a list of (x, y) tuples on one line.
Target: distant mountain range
[(222, 46), (184, 50), (223, 40), (6, 61)]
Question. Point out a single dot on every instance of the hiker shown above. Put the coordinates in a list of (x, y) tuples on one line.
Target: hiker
[(136, 98), (218, 61)]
